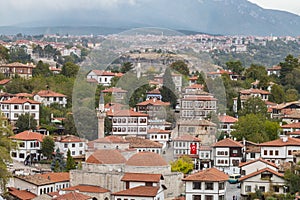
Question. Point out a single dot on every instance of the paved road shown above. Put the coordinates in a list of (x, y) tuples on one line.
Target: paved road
[(232, 190)]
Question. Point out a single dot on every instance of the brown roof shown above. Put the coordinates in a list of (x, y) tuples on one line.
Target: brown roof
[(227, 142), (17, 100), (4, 81), (256, 160), (254, 91), (146, 159), (114, 89), (103, 73), (211, 174), (158, 131), (153, 102), (293, 133), (155, 91), (194, 78), (125, 113), (49, 93), (136, 142), (280, 142), (142, 177), (45, 179), (17, 64), (24, 94), (199, 98), (69, 139), (72, 195), (221, 72), (111, 139), (87, 188), (140, 191), (187, 137), (21, 194), (106, 156), (259, 172), (293, 125), (195, 86), (227, 119), (28, 135)]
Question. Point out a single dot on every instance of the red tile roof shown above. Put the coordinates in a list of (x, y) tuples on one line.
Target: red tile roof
[(280, 142), (28, 135), (227, 142), (56, 176), (155, 91), (72, 196), (293, 125), (17, 64), (136, 142), (105, 73), (69, 139), (195, 86), (17, 100), (293, 133), (227, 119), (140, 191), (194, 78), (87, 188), (45, 179), (211, 174), (158, 131), (111, 139), (126, 113), (221, 72), (115, 90), (49, 93), (142, 177), (259, 172), (21, 194), (154, 102), (106, 156), (187, 137), (199, 98), (146, 159), (24, 95), (254, 91), (4, 81), (256, 160)]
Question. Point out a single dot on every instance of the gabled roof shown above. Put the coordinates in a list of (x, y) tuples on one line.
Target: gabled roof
[(17, 64), (111, 139), (87, 188), (153, 102), (142, 177), (105, 73), (158, 131), (257, 160), (114, 90), (69, 139), (28, 135), (155, 91), (211, 174), (49, 93), (195, 86), (146, 159), (45, 179), (24, 94), (140, 191), (281, 142), (227, 142), (293, 125), (259, 172), (136, 142), (227, 119), (21, 194), (106, 156), (221, 72), (187, 137), (199, 98), (72, 195), (193, 78), (17, 100), (126, 113), (4, 81), (254, 91)]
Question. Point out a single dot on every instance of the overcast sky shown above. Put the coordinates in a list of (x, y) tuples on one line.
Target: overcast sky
[(292, 6), (17, 12)]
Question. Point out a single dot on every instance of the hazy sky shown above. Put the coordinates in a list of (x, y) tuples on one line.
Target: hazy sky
[(16, 12), (286, 5)]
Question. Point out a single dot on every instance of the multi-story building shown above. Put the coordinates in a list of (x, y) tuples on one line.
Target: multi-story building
[(48, 97), (16, 68), (118, 94), (227, 155), (76, 145), (14, 107), (209, 184), (154, 94), (28, 147), (159, 135), (255, 165), (128, 122), (141, 144), (274, 70), (225, 123), (102, 77)]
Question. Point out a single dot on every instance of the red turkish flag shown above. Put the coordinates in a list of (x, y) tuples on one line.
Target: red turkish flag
[(193, 149)]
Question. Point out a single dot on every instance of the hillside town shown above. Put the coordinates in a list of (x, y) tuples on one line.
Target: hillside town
[(169, 126)]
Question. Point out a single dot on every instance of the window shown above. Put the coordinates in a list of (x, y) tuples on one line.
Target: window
[(22, 144), (197, 185), (289, 152), (149, 184), (221, 186), (252, 155), (33, 107), (73, 153), (26, 107), (73, 144), (265, 152), (16, 115), (248, 188), (65, 145), (221, 197), (21, 155), (266, 175), (262, 188), (13, 154), (209, 197), (16, 107), (276, 188), (276, 153), (196, 197), (209, 186)]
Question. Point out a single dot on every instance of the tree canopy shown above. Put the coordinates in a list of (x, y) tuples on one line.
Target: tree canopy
[(254, 105), (70, 162), (26, 122), (183, 164), (181, 67), (235, 66), (168, 91), (47, 147), (58, 164)]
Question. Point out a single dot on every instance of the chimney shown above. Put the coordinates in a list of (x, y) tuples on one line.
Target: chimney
[(284, 139)]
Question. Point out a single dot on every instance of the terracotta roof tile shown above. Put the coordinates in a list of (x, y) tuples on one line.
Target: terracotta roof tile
[(21, 194), (49, 93), (199, 98), (195, 86), (254, 91), (256, 160), (111, 139), (17, 64), (259, 172), (72, 196), (293, 125), (187, 137), (24, 95), (106, 73), (221, 72), (142, 177), (227, 142), (153, 102), (28, 135), (194, 78), (211, 174), (155, 91), (125, 113), (17, 100), (114, 90), (140, 191), (4, 81), (45, 179), (158, 131), (146, 159), (136, 142), (227, 119), (280, 142), (69, 139), (106, 156), (87, 188)]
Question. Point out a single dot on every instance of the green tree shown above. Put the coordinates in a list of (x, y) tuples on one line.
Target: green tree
[(69, 69), (183, 164), (19, 54), (26, 122), (126, 67), (254, 105), (235, 66), (58, 164), (181, 67), (168, 91), (6, 146), (277, 94), (69, 125), (41, 69), (257, 72), (289, 64), (47, 147), (291, 95), (4, 53), (292, 179), (70, 162), (107, 125)]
